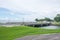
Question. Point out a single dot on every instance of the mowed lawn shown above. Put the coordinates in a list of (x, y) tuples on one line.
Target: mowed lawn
[(10, 33)]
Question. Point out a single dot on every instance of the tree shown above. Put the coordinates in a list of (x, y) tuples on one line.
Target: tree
[(36, 20), (57, 18), (41, 19), (47, 19)]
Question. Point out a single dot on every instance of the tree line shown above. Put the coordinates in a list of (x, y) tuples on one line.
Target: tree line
[(56, 18)]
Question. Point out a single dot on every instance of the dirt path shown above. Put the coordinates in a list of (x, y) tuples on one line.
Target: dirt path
[(41, 37)]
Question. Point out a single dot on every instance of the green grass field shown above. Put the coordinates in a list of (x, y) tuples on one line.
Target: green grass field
[(10, 33)]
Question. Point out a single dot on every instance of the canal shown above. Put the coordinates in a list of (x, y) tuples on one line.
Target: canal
[(51, 27)]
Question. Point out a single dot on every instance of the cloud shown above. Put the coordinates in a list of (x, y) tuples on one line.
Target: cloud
[(8, 15), (31, 9), (29, 5)]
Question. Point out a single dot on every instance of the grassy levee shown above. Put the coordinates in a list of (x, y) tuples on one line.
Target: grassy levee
[(10, 33)]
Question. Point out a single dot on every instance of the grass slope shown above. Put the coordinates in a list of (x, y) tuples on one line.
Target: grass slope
[(10, 33)]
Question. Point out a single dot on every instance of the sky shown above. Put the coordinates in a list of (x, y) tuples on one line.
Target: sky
[(28, 10)]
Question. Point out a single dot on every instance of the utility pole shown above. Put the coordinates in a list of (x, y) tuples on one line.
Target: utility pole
[(23, 22)]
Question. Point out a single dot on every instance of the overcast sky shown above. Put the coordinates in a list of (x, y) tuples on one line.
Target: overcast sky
[(30, 9)]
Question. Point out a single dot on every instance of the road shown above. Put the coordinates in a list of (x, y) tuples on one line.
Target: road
[(41, 37)]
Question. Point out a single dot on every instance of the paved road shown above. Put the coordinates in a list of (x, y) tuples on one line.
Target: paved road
[(41, 37)]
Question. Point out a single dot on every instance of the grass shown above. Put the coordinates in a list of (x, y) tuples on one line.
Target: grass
[(10, 33)]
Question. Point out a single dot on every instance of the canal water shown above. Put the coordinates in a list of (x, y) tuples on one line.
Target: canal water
[(51, 27)]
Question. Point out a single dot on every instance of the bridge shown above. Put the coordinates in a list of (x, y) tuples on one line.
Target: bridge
[(37, 24), (32, 24)]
